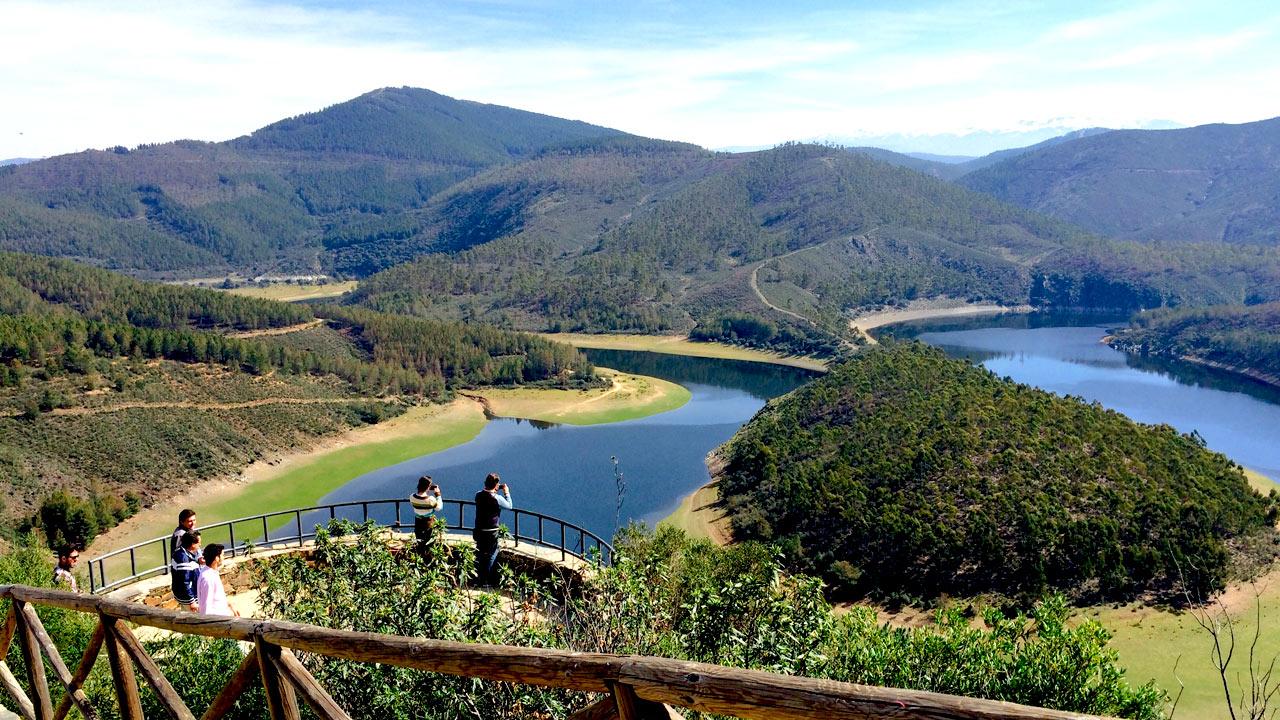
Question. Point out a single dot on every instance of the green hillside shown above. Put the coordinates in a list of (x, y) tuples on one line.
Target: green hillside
[(1214, 183), (905, 474), (269, 200), (112, 386), (1244, 339), (616, 241), (415, 124)]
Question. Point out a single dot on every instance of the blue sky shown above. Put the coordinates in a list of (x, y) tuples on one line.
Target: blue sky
[(955, 77)]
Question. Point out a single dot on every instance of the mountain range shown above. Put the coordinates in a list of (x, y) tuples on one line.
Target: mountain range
[(481, 212)]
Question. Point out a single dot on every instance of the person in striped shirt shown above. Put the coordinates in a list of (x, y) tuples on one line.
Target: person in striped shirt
[(425, 502), (184, 569)]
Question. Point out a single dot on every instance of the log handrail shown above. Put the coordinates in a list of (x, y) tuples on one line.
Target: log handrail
[(699, 686), (588, 545)]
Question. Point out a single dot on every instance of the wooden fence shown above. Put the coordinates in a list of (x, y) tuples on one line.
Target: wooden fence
[(634, 687)]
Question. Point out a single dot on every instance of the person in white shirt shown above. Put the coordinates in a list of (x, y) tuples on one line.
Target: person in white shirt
[(209, 591)]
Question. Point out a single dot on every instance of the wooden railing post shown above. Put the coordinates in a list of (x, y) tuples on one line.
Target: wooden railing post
[(122, 676), (281, 700), (82, 672), (74, 693), (35, 664), (317, 698), (7, 679), (169, 697)]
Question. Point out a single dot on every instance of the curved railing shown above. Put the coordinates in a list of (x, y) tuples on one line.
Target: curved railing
[(285, 527)]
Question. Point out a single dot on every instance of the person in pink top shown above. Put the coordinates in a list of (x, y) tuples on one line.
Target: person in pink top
[(210, 594)]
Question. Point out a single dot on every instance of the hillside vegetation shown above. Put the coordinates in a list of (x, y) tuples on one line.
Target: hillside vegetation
[(664, 246), (903, 473), (112, 386), (1213, 183), (267, 200), (1235, 337)]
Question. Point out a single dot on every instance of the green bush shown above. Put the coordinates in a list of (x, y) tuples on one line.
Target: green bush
[(670, 596)]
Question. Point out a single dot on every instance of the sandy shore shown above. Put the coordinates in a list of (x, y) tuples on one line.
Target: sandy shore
[(928, 310), (682, 345)]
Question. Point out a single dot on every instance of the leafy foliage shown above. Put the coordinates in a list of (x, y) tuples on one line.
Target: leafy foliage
[(669, 596), (903, 473)]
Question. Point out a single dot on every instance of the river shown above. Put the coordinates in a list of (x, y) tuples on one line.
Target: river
[(567, 471)]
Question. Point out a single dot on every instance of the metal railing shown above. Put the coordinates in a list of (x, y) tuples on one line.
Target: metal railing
[(285, 528)]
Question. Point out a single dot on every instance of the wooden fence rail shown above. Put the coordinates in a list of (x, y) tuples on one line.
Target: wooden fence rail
[(635, 687)]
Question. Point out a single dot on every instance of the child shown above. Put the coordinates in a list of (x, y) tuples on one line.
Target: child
[(184, 568), (211, 595)]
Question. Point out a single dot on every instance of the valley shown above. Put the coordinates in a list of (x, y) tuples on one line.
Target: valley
[(709, 345)]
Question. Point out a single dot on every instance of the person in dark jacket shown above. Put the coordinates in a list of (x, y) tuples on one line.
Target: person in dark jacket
[(184, 570), (490, 503)]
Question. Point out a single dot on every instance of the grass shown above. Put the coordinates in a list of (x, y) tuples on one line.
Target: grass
[(1260, 482), (681, 345), (630, 397), (698, 518), (1151, 641), (289, 292), (306, 478)]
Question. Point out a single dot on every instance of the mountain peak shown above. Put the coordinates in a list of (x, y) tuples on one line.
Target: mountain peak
[(418, 124)]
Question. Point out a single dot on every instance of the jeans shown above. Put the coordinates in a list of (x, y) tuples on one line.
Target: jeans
[(486, 556)]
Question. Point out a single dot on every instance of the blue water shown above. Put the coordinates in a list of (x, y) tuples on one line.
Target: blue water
[(1065, 355), (567, 471)]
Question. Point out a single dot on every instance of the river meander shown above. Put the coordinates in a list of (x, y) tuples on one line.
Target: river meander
[(566, 471), (1065, 354)]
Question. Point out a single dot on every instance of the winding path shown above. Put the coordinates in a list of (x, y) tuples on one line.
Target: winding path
[(187, 404), (754, 281)]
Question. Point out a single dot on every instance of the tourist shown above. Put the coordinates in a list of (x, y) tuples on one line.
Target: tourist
[(184, 569), (425, 502), (64, 573), (186, 524), (489, 505), (210, 594)]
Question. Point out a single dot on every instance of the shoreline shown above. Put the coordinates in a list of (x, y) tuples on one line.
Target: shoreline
[(682, 345), (699, 513), (932, 309), (301, 478)]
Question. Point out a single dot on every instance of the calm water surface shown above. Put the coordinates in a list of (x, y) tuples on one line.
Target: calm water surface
[(1065, 355), (565, 471)]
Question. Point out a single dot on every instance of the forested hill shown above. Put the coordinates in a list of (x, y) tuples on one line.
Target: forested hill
[(112, 386), (1213, 183), (676, 240), (414, 124), (660, 242), (266, 201), (903, 473), (1242, 339)]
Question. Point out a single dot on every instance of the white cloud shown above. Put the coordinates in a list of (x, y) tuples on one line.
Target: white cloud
[(85, 74)]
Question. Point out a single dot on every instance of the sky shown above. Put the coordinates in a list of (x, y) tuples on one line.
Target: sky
[(959, 77)]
